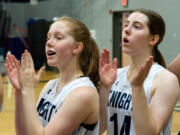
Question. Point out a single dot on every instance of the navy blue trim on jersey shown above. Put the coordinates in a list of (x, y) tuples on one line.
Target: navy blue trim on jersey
[(89, 126)]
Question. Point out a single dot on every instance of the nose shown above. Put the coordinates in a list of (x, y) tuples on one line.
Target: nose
[(127, 30), (49, 42)]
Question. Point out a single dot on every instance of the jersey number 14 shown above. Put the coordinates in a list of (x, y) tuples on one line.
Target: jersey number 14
[(125, 127)]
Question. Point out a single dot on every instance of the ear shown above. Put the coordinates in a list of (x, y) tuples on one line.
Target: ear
[(78, 47), (154, 40)]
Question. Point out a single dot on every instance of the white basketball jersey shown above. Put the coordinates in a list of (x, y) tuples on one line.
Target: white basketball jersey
[(52, 100), (119, 109)]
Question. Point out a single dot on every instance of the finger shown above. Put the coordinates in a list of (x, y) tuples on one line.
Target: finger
[(7, 60), (107, 56), (115, 61), (18, 64), (151, 60), (40, 72), (103, 54), (15, 61), (14, 58), (142, 70), (6, 67), (100, 63), (148, 63), (25, 51), (102, 58), (8, 63), (23, 64), (27, 61), (31, 64)]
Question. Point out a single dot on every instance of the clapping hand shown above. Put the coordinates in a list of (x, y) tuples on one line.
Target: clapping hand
[(138, 79), (107, 73)]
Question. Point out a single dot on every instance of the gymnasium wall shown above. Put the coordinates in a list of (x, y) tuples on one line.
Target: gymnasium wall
[(95, 13), (97, 16)]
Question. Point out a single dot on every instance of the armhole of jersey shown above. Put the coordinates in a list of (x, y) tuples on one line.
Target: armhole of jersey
[(89, 126)]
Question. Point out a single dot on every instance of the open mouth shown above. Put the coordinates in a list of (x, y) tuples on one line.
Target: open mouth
[(125, 40), (50, 53)]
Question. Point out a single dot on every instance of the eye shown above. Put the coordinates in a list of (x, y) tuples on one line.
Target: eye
[(126, 24), (137, 26), (58, 37)]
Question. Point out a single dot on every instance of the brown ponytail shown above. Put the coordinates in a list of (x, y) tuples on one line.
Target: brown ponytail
[(89, 62), (158, 56), (156, 26), (89, 56)]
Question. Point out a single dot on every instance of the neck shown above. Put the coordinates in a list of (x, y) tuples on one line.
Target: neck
[(69, 74)]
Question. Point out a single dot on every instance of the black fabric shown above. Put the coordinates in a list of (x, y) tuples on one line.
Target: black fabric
[(89, 127)]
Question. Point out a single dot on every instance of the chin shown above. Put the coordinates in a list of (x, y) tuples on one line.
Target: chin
[(126, 51), (51, 64)]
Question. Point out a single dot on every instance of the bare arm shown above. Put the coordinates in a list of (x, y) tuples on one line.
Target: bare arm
[(174, 67), (73, 112), (12, 68), (151, 119), (107, 76), (103, 108), (67, 119)]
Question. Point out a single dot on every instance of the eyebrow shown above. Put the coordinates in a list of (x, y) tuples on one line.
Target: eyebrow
[(57, 32), (135, 22)]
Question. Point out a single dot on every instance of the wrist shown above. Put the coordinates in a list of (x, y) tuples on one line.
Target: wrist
[(27, 91), (106, 85), (18, 91), (137, 88), (104, 90)]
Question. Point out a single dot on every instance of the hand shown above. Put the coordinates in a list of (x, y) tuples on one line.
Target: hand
[(12, 69), (106, 72), (138, 79), (27, 75)]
